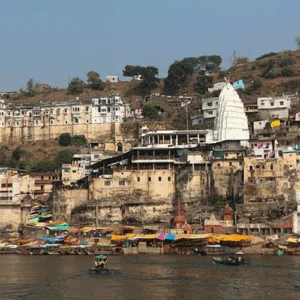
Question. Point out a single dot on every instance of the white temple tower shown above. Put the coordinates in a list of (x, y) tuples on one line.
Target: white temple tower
[(231, 122)]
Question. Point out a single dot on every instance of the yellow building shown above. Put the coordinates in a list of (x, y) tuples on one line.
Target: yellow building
[(271, 180)]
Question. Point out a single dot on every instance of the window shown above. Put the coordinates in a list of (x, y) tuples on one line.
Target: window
[(272, 103), (262, 103), (219, 165), (106, 183), (169, 178), (271, 167), (209, 103), (250, 168), (281, 103), (73, 171), (87, 121), (122, 182), (86, 108), (51, 122), (66, 122), (230, 163), (267, 145), (149, 178), (210, 112), (138, 179), (159, 178)]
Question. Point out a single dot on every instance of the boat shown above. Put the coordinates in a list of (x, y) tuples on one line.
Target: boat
[(100, 264), (230, 261)]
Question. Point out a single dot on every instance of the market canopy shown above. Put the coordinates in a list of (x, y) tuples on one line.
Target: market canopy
[(58, 227), (170, 237)]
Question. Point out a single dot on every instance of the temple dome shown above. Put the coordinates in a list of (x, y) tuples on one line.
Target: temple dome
[(231, 123)]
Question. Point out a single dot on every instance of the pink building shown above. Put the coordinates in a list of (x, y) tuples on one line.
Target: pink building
[(297, 116), (262, 149)]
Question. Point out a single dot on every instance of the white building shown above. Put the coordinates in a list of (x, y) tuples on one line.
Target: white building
[(112, 78), (175, 138), (2, 113), (274, 107), (231, 122), (109, 109), (210, 107)]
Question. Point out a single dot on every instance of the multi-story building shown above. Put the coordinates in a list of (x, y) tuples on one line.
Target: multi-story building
[(98, 118), (43, 182), (209, 109), (79, 167), (273, 107), (271, 179), (16, 189)]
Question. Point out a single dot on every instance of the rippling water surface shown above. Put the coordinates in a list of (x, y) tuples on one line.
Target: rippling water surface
[(148, 277)]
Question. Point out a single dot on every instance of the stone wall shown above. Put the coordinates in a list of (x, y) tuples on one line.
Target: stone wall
[(10, 216), (264, 212)]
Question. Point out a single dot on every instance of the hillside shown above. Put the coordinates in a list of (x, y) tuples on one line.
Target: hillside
[(277, 73), (271, 75)]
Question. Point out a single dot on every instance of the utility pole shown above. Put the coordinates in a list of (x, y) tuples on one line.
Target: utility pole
[(186, 112)]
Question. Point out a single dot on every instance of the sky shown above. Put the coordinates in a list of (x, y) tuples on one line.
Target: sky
[(54, 41)]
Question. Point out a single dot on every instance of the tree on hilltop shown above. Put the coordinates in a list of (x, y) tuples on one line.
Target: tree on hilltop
[(94, 81), (75, 86), (131, 71), (297, 41), (180, 70), (148, 75), (149, 79), (31, 88)]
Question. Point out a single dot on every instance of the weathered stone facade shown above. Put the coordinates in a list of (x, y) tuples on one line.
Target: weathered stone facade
[(271, 180)]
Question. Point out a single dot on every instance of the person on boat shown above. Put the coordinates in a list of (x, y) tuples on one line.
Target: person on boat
[(100, 262)]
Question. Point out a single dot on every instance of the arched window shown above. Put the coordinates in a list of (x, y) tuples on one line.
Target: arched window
[(119, 147)]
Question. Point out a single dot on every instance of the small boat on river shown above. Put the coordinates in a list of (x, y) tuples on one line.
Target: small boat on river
[(100, 264), (230, 261)]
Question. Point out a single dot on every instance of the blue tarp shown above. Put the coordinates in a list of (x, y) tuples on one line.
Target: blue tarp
[(51, 239), (170, 237), (238, 84)]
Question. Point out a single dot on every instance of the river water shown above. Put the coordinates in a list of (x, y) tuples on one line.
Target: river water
[(148, 277)]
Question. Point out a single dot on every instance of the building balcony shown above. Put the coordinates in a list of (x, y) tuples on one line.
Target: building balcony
[(38, 192), (43, 181)]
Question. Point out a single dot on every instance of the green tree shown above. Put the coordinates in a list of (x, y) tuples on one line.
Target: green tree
[(178, 72), (94, 81), (202, 84), (76, 85), (44, 165), (209, 63), (63, 157), (149, 79), (31, 88), (150, 113), (78, 140), (16, 155), (288, 71), (131, 71), (65, 139)]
